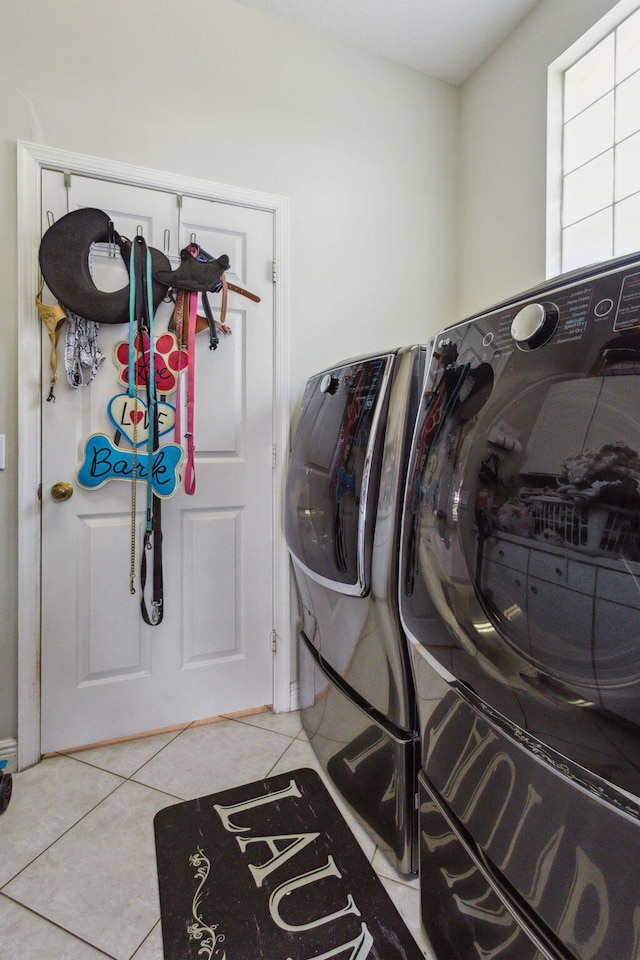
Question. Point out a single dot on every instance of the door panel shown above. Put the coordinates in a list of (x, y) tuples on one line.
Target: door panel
[(105, 673), (108, 646)]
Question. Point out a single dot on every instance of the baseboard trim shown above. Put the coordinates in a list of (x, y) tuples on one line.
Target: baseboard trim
[(176, 728), (9, 752)]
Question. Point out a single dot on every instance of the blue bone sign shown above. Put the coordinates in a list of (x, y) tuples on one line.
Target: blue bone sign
[(103, 461)]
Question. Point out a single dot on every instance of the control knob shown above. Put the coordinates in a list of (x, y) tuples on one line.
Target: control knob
[(329, 384), (534, 325)]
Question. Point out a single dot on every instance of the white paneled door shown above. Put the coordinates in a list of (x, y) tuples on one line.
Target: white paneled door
[(105, 672)]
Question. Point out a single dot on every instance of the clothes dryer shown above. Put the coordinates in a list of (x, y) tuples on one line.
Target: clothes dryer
[(521, 540), (344, 494)]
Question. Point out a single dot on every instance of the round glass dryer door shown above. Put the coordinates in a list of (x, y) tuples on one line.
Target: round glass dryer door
[(522, 518)]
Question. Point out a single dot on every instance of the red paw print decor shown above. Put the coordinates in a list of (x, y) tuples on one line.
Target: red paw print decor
[(169, 362)]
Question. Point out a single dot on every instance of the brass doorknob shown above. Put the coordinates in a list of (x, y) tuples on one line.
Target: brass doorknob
[(62, 491)]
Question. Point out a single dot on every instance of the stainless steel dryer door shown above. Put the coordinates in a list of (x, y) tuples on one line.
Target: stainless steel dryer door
[(332, 478)]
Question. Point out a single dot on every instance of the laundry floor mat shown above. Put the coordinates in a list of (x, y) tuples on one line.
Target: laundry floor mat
[(270, 871)]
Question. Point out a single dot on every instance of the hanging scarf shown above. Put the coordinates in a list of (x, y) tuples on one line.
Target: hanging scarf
[(81, 350)]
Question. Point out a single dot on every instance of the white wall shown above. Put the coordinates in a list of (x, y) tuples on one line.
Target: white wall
[(502, 188), (365, 150)]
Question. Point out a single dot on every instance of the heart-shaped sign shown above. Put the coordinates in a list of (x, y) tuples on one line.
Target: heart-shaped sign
[(131, 414)]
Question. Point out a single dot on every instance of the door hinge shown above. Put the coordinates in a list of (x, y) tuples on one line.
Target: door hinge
[(274, 641), (274, 271), (274, 457)]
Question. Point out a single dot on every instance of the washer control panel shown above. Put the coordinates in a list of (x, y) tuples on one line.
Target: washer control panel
[(599, 306), (534, 325)]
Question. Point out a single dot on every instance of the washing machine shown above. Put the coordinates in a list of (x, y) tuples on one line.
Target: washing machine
[(345, 486), (519, 594)]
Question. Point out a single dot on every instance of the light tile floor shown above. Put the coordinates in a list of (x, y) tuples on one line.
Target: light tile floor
[(77, 857)]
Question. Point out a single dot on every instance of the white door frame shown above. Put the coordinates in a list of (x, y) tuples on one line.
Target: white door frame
[(32, 159)]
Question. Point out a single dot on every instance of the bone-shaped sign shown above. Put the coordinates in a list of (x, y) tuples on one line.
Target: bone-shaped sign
[(103, 461), (127, 412)]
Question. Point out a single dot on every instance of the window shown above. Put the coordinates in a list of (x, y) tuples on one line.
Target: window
[(594, 136)]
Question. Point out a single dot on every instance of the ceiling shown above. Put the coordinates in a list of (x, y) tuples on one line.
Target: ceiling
[(443, 38)]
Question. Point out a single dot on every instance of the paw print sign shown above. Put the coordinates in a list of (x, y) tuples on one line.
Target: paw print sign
[(169, 362)]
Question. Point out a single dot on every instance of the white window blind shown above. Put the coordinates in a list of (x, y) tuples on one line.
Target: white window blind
[(597, 211)]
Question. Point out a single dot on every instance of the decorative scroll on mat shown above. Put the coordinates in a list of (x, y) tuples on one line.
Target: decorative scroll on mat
[(271, 871)]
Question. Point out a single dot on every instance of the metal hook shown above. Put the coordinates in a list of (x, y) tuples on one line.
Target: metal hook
[(167, 240), (50, 218), (112, 239), (139, 230), (192, 239)]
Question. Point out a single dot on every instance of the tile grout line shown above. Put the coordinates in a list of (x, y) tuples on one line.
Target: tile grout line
[(58, 926), (233, 719), (3, 891), (87, 812), (274, 765), (146, 937), (173, 739), (92, 809), (126, 779), (178, 734), (163, 747), (64, 832), (257, 726), (398, 879), (97, 766)]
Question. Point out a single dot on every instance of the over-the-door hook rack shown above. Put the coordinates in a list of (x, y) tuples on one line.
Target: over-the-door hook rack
[(112, 239)]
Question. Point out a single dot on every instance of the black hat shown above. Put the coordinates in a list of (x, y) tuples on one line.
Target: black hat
[(64, 261)]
